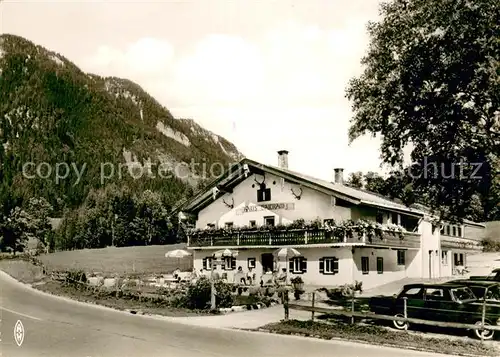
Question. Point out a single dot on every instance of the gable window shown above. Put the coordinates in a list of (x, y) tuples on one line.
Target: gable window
[(448, 230), (269, 221), (401, 257), (251, 263), (380, 265), (229, 263), (263, 194), (459, 231), (207, 263), (329, 265), (253, 224), (297, 265), (454, 231), (365, 267)]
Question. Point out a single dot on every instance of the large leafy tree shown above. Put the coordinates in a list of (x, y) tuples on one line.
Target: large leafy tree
[(431, 82)]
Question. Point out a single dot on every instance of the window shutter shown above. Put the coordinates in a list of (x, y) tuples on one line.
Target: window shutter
[(233, 263), (335, 265), (303, 265), (322, 265), (290, 265)]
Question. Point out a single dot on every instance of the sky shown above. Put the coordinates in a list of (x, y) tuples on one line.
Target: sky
[(266, 75)]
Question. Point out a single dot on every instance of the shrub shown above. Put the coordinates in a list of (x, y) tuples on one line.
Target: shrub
[(198, 294), (223, 294), (74, 276)]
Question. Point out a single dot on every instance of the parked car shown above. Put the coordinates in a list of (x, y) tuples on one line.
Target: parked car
[(482, 289), (494, 276), (437, 302)]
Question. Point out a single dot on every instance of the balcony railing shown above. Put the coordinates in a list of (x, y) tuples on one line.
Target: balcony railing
[(460, 243), (279, 238)]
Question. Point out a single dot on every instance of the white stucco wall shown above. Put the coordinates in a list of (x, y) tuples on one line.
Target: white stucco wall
[(312, 204)]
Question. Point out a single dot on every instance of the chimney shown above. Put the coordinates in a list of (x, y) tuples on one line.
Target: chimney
[(338, 175), (283, 159)]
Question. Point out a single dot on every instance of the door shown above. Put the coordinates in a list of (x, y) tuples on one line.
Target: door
[(414, 302), (267, 260), (438, 304)]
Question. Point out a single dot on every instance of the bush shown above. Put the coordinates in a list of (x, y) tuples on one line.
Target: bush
[(343, 291), (223, 294), (198, 294), (490, 245), (75, 276)]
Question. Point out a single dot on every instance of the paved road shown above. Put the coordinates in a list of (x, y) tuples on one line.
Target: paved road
[(60, 327)]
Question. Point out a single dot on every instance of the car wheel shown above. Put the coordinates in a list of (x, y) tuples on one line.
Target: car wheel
[(486, 334), (400, 325)]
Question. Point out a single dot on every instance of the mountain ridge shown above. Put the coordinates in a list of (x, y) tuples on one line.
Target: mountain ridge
[(52, 111)]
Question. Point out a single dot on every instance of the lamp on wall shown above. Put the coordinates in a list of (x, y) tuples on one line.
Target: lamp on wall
[(215, 191), (246, 170), (229, 205)]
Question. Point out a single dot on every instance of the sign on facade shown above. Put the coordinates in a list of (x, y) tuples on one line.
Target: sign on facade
[(266, 206)]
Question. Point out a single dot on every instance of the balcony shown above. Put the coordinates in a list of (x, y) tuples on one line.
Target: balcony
[(448, 242), (296, 237)]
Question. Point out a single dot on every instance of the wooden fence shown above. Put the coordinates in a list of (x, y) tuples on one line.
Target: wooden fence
[(372, 316)]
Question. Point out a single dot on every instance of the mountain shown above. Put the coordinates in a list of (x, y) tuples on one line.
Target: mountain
[(53, 115)]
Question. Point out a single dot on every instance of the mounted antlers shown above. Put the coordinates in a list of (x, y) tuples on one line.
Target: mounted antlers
[(297, 196), (263, 180), (230, 205)]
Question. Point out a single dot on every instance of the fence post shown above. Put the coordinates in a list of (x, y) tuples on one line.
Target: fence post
[(285, 304), (483, 315), (312, 313), (352, 305)]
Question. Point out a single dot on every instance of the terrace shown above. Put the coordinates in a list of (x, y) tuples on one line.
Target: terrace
[(299, 237)]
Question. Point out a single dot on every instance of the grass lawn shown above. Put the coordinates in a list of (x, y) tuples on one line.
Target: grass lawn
[(126, 260), (381, 336)]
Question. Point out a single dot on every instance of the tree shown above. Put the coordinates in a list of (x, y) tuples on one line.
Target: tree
[(375, 183), (431, 82), (355, 180)]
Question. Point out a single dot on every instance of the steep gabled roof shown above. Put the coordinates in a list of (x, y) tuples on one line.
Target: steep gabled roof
[(236, 175)]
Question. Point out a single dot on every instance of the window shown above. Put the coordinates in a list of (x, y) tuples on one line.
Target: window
[(251, 263), (401, 257), (263, 194), (448, 230), (380, 217), (434, 294), (207, 263), (459, 231), (298, 265), (458, 259), (253, 224), (413, 293), (409, 223), (329, 265), (444, 257), (442, 229), (380, 265), (229, 225), (454, 231), (269, 221), (395, 218), (229, 263), (365, 267)]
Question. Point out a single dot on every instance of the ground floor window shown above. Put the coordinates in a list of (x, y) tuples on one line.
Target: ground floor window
[(229, 263), (251, 263), (401, 257), (380, 265), (365, 266), (207, 263), (298, 265), (329, 265), (444, 257), (458, 259)]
